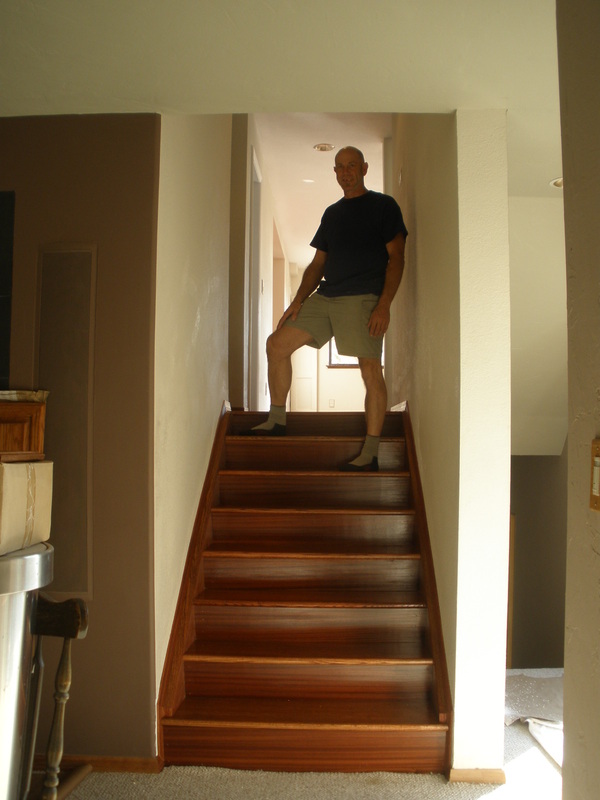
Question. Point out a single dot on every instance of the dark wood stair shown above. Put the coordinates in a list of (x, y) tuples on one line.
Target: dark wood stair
[(307, 632)]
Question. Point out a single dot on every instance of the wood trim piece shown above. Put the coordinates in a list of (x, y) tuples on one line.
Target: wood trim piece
[(494, 776), (172, 687), (443, 698), (152, 765)]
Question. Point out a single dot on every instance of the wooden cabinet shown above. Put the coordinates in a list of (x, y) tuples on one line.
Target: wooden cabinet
[(22, 430)]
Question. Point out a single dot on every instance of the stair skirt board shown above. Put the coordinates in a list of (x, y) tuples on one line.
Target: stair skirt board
[(307, 633)]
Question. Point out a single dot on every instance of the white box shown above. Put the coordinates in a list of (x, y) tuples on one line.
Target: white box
[(25, 504)]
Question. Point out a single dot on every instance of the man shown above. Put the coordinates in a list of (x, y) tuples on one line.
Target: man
[(356, 272)]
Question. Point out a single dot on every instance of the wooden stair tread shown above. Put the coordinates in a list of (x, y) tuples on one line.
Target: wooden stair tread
[(310, 598), (299, 440), (265, 651), (310, 473), (310, 510), (265, 712), (253, 547)]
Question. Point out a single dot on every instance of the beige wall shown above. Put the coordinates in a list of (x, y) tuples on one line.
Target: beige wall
[(579, 59), (539, 507), (192, 280), (94, 180)]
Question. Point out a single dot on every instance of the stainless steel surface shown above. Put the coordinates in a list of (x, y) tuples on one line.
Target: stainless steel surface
[(26, 569), (22, 573)]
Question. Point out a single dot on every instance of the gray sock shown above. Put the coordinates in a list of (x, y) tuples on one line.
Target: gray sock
[(277, 416), (369, 451)]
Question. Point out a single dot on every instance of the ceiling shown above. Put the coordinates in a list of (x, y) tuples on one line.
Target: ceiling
[(322, 56)]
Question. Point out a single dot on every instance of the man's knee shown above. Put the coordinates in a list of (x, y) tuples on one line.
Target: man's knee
[(285, 341)]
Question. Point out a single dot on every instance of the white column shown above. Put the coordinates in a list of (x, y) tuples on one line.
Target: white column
[(484, 472)]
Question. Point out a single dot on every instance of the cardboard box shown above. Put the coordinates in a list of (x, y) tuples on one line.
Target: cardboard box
[(25, 504)]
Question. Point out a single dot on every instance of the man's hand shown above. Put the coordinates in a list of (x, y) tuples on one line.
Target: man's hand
[(310, 280), (379, 320), (291, 311)]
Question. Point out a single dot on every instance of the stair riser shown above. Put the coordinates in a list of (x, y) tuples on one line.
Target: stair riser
[(230, 525), (310, 424), (286, 490), (378, 574), (313, 681), (283, 453), (308, 750), (310, 624)]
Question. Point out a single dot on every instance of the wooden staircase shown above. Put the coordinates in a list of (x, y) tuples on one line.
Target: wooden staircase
[(307, 634)]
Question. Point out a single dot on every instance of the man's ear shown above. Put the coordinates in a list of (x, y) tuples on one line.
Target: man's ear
[(365, 168)]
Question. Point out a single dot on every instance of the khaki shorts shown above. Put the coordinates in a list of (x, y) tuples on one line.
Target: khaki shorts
[(346, 318)]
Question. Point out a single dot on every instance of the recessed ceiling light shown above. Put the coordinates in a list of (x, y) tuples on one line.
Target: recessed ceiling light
[(307, 180), (323, 147), (557, 183)]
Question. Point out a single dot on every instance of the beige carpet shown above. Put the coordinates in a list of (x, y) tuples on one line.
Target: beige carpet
[(530, 774)]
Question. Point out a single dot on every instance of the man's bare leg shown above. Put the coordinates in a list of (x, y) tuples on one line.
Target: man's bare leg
[(280, 346), (375, 408)]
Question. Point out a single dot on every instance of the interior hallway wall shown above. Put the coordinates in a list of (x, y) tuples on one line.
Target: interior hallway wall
[(578, 23), (191, 358)]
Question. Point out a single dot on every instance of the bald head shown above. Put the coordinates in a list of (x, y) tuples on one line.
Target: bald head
[(351, 151), (350, 170)]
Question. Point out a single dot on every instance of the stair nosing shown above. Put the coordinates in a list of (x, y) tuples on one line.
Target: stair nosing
[(339, 599), (315, 726), (321, 473), (389, 510), (193, 658), (310, 556)]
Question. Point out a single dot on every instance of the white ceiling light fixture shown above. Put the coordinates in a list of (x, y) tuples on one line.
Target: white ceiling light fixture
[(323, 147), (558, 183)]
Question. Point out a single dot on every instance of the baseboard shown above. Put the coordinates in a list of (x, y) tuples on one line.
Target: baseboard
[(105, 763), (495, 776)]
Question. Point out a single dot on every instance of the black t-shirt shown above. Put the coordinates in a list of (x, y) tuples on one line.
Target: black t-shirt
[(354, 233)]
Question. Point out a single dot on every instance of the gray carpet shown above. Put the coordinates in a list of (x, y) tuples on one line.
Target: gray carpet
[(530, 774)]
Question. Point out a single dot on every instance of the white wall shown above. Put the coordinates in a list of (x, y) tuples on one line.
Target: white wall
[(452, 362), (341, 386), (483, 544), (538, 303), (425, 345), (578, 23), (191, 338)]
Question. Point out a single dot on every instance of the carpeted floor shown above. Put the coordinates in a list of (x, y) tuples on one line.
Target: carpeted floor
[(530, 770), (530, 773)]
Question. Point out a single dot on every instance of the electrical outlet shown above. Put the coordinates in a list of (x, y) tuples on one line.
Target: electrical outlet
[(332, 403)]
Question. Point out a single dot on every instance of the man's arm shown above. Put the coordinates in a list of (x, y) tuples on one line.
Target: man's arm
[(310, 280), (380, 317)]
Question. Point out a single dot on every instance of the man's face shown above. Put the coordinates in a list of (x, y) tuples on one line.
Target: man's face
[(350, 172)]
